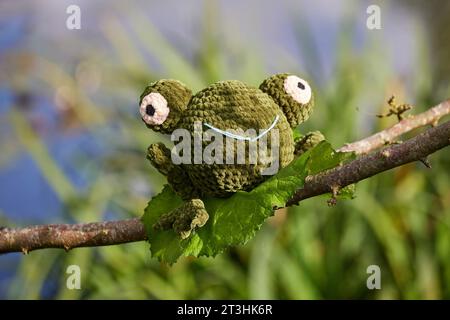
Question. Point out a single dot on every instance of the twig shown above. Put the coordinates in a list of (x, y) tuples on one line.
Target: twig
[(396, 109), (365, 166), (380, 139), (116, 232)]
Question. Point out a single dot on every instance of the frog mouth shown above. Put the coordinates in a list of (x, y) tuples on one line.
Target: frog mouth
[(239, 137)]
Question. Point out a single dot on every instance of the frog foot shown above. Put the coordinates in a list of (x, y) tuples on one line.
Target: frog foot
[(184, 219), (307, 142)]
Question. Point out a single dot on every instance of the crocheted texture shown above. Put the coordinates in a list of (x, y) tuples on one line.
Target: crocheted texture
[(308, 141), (177, 177), (229, 105), (177, 96), (295, 112), (190, 215), (226, 106)]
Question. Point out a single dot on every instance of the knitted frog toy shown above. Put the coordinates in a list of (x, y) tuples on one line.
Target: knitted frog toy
[(281, 103)]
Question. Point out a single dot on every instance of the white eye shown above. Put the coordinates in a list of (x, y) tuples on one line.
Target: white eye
[(298, 89), (154, 109)]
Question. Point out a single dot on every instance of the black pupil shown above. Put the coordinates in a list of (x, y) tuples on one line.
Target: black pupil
[(150, 110), (301, 85)]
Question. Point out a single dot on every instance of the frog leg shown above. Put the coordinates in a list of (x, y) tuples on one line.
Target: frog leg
[(308, 141), (184, 219), (192, 213)]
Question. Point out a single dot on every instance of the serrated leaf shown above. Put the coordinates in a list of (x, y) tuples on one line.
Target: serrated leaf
[(324, 157), (234, 220), (347, 193)]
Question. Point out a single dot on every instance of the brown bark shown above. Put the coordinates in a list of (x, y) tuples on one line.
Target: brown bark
[(68, 236)]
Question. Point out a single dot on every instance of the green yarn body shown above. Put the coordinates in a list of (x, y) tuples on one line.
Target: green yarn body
[(226, 105), (235, 105)]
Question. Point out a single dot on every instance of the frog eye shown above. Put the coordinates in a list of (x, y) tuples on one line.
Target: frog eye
[(298, 89), (154, 109)]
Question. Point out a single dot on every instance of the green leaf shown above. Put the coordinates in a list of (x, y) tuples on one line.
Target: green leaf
[(324, 157), (347, 193), (234, 220), (297, 135)]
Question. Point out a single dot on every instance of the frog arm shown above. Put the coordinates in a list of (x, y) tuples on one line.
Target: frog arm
[(307, 141), (160, 157)]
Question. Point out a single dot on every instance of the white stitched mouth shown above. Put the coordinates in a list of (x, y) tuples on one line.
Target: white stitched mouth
[(239, 137)]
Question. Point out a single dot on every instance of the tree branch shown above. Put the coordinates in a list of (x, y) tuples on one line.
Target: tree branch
[(415, 149), (380, 139), (68, 236)]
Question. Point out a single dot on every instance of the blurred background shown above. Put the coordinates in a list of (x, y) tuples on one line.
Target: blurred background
[(72, 145)]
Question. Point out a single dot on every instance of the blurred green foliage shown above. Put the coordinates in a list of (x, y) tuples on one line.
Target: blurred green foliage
[(400, 220)]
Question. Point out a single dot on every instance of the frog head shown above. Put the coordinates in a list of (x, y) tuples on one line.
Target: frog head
[(162, 103), (292, 94)]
